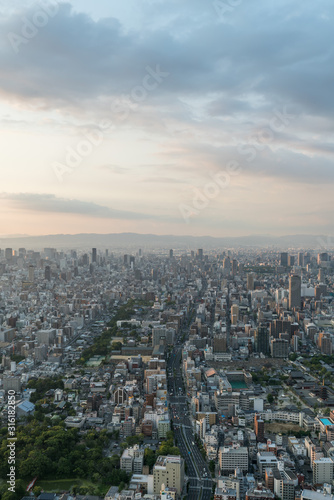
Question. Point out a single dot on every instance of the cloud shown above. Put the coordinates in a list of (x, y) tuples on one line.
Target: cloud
[(51, 203), (287, 58), (226, 79)]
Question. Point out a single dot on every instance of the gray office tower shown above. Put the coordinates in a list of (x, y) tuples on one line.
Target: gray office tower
[(261, 339), (295, 285), (284, 259)]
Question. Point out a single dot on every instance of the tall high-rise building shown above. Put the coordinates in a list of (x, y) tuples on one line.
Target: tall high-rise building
[(291, 260), (325, 343), (31, 274), (200, 253), (250, 281), (219, 343), (170, 472), (280, 326), (93, 254), (47, 273), (323, 470), (320, 290), (234, 314), (227, 266), (259, 428), (154, 273), (9, 254), (322, 257), (171, 253), (279, 348), (261, 339), (232, 458), (22, 252), (295, 285), (284, 259), (300, 259)]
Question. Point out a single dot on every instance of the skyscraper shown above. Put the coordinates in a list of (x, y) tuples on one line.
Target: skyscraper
[(200, 253), (250, 281), (261, 339), (9, 254), (154, 273), (300, 259), (227, 266), (259, 428), (31, 274), (47, 273), (295, 284), (279, 348), (284, 259), (322, 257), (234, 314), (93, 254), (171, 254)]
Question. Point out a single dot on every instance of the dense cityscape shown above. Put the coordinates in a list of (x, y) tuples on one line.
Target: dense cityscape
[(167, 374)]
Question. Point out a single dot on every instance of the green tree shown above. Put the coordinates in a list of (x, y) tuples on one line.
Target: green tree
[(121, 486), (270, 398), (63, 467), (37, 490), (116, 346), (149, 457)]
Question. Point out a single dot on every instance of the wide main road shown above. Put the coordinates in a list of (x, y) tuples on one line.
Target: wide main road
[(197, 469)]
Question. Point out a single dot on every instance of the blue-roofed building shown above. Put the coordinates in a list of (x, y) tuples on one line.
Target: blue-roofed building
[(326, 421), (25, 408), (47, 496), (327, 426)]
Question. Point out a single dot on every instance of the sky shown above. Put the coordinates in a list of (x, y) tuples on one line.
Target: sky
[(186, 117)]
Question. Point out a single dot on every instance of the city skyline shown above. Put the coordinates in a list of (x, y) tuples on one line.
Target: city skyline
[(185, 118)]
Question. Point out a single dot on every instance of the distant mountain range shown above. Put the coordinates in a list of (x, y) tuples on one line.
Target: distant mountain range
[(150, 241)]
